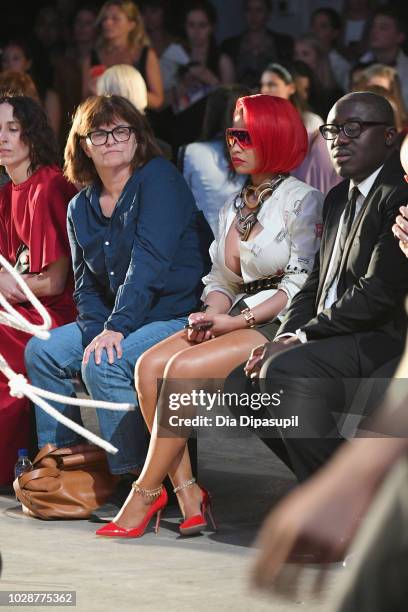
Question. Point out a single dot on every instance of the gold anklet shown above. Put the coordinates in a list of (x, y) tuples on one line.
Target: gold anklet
[(152, 493), (183, 485)]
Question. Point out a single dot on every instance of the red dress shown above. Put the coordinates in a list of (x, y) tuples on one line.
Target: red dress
[(33, 213)]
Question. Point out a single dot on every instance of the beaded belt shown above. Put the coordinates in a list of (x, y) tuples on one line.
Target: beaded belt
[(270, 282)]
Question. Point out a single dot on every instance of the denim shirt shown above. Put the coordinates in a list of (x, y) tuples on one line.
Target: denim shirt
[(146, 261)]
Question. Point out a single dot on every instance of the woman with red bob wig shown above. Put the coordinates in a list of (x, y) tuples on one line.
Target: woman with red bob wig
[(268, 236)]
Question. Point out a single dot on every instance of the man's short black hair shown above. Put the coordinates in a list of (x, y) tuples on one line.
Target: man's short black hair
[(394, 14), (383, 110), (332, 15)]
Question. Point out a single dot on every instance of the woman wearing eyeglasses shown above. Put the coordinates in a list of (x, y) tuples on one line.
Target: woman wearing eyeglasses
[(139, 249), (268, 236)]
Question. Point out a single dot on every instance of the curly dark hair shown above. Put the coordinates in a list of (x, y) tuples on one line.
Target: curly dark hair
[(35, 131)]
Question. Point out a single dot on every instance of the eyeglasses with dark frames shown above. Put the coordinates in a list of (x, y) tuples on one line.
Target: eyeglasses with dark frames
[(352, 129), (239, 135), (121, 133)]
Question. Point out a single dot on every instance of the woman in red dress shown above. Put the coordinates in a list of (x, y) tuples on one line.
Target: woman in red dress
[(32, 214)]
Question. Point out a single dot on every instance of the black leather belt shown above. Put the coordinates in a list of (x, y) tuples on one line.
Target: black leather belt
[(270, 282)]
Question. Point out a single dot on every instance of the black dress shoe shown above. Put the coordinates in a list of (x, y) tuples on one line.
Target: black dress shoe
[(107, 512)]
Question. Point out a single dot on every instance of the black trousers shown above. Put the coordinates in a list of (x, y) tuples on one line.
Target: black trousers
[(316, 382)]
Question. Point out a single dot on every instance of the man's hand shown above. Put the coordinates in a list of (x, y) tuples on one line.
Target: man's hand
[(400, 229), (319, 519), (107, 340), (10, 289), (260, 354)]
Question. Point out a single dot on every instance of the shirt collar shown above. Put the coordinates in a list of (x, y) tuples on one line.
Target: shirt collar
[(365, 185)]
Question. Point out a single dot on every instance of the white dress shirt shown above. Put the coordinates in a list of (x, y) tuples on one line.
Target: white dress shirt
[(364, 188)]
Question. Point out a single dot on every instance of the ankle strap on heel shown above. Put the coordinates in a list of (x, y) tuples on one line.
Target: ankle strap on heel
[(150, 493), (183, 485)]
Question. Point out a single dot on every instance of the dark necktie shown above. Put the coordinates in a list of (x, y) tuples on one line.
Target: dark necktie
[(348, 218)]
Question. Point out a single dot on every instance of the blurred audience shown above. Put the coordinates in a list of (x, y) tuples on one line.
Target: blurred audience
[(308, 49), (18, 57), (252, 50), (124, 80), (385, 77), (206, 165), (18, 83), (122, 40), (326, 25), (387, 34), (71, 69), (357, 15)]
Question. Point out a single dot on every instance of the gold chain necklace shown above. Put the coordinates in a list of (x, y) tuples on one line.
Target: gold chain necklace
[(245, 223)]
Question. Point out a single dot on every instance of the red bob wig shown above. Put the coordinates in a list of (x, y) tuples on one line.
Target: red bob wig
[(276, 130)]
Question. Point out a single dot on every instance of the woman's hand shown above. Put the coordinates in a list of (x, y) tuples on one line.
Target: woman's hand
[(212, 325), (400, 229), (10, 289), (106, 340)]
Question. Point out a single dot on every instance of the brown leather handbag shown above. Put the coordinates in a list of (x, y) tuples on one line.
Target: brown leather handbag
[(65, 483)]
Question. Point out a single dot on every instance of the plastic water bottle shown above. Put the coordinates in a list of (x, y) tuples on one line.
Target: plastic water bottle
[(23, 463)]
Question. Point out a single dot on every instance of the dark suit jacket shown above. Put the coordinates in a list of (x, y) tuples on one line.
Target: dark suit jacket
[(373, 278)]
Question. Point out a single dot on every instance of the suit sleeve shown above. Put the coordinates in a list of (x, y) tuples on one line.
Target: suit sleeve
[(367, 302)]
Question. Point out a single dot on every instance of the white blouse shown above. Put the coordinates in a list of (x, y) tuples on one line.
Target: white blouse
[(291, 219)]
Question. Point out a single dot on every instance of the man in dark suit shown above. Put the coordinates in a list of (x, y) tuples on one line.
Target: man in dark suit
[(348, 319)]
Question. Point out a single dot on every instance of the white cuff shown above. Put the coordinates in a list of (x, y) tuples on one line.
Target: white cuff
[(301, 335)]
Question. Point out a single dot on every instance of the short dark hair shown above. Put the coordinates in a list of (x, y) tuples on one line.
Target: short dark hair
[(267, 4), (94, 112), (35, 131), (382, 108), (202, 5), (332, 15), (394, 14)]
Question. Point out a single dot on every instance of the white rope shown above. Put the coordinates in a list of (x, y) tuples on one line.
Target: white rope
[(13, 318), (19, 386)]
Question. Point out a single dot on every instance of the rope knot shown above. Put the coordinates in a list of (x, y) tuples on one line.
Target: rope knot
[(16, 384)]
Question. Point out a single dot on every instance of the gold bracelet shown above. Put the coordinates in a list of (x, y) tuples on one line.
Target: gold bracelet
[(249, 317)]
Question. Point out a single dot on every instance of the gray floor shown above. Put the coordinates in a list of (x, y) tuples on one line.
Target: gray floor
[(164, 572)]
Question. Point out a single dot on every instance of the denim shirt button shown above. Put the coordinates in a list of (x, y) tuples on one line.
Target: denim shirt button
[(112, 273), (107, 242)]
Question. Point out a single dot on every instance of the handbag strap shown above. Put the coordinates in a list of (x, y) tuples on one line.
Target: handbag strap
[(38, 473)]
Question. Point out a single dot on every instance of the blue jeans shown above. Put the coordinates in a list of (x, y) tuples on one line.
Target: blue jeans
[(52, 363)]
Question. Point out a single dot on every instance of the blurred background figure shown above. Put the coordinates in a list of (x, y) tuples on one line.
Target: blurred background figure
[(316, 169), (71, 69), (309, 49), (252, 50), (122, 40), (386, 78), (207, 68), (18, 57), (18, 83), (206, 165), (357, 17), (387, 35), (126, 81), (326, 25)]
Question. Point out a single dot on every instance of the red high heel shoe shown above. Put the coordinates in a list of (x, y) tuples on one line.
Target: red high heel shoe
[(197, 523), (112, 530)]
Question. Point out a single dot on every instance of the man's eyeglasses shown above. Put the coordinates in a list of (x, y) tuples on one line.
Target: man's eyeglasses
[(352, 129), (121, 133), (239, 135)]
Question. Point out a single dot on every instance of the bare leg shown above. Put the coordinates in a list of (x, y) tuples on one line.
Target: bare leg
[(213, 359)]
